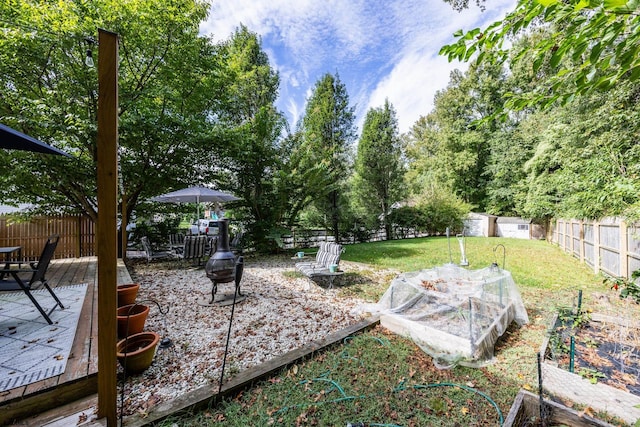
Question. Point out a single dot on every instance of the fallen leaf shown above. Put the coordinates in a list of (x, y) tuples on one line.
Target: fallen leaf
[(588, 411)]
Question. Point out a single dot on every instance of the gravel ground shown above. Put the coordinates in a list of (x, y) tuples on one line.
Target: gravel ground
[(280, 314)]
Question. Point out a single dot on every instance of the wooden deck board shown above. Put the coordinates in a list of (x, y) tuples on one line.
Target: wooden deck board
[(57, 269), (93, 334), (80, 376), (78, 363)]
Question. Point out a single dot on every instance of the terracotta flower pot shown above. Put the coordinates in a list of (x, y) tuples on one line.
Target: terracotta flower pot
[(127, 294), (132, 316), (136, 353)]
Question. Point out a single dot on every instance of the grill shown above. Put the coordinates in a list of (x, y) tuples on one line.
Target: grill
[(224, 266)]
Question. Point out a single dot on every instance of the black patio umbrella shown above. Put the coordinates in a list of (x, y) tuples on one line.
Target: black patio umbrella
[(11, 139)]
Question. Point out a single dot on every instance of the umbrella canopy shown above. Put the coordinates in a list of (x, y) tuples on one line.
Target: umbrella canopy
[(13, 140), (195, 195)]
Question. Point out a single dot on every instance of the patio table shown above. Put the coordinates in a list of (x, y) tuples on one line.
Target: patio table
[(7, 251)]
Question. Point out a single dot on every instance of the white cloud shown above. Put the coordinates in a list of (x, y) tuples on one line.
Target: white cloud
[(411, 86), (381, 49)]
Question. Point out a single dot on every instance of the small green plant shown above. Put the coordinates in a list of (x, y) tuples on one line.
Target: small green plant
[(627, 287), (590, 342), (574, 320), (557, 345), (591, 374)]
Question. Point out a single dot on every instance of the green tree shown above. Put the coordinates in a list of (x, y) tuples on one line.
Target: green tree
[(379, 164), (586, 162), (329, 132), (450, 147), (299, 183), (252, 152), (599, 41), (166, 78)]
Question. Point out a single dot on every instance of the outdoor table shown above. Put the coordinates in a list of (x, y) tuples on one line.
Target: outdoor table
[(7, 251), (332, 277)]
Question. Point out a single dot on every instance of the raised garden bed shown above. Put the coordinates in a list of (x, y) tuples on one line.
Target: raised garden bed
[(603, 370), (453, 314), (471, 347), (525, 411)]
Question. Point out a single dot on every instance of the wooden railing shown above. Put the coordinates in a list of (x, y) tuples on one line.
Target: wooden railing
[(77, 235)]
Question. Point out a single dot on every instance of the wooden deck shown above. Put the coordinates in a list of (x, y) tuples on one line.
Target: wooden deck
[(80, 377)]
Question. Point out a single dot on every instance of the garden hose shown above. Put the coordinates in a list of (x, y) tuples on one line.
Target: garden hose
[(324, 377)]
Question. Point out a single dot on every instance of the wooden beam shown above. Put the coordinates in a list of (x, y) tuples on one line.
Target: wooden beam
[(106, 227)]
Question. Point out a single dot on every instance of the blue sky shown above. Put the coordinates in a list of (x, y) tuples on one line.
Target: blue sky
[(380, 49)]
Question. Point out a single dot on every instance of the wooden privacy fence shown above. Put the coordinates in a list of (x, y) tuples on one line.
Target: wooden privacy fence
[(77, 235), (609, 245)]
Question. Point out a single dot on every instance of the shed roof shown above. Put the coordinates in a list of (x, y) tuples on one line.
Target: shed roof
[(512, 220), (479, 215)]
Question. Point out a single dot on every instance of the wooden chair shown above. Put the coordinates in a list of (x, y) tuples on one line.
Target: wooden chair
[(176, 240), (193, 249), (38, 270), (236, 243), (211, 246)]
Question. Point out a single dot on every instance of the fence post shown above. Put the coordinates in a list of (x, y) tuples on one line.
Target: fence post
[(78, 238), (624, 249), (596, 247), (581, 224), (572, 248)]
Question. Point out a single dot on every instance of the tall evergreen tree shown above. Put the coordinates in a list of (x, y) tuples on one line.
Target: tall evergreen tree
[(379, 166), (329, 132)]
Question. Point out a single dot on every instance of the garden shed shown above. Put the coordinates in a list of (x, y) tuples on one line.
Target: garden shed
[(515, 227), (480, 225)]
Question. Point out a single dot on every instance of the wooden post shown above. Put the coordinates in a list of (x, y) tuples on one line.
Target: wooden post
[(596, 247), (581, 225), (106, 227), (123, 226), (624, 250), (571, 239)]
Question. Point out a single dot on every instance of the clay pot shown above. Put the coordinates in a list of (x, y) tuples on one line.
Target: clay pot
[(127, 293), (136, 353), (132, 316)]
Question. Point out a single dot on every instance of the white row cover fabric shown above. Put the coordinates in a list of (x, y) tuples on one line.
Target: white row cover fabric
[(454, 314)]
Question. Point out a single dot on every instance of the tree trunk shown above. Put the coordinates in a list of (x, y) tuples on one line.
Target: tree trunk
[(335, 217)]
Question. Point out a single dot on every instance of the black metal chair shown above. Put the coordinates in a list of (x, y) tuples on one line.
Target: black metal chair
[(38, 271), (151, 254)]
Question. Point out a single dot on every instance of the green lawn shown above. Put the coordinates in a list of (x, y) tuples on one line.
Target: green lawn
[(381, 379)]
